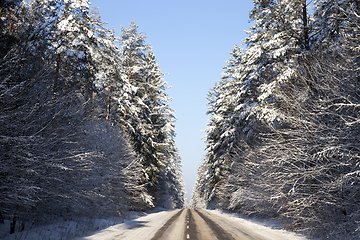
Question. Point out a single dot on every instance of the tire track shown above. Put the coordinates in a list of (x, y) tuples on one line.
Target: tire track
[(219, 232), (162, 230), (230, 232)]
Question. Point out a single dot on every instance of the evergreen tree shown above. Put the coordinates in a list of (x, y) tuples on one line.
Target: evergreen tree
[(171, 186), (246, 102), (58, 160), (287, 149), (8, 20), (71, 104), (144, 109), (335, 20)]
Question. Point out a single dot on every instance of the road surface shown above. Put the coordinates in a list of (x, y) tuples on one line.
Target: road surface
[(191, 224)]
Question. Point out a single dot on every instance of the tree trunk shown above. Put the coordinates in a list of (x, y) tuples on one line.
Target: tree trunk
[(12, 225), (305, 25)]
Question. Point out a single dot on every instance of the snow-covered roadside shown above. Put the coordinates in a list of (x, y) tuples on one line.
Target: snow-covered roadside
[(271, 230), (142, 228), (61, 230)]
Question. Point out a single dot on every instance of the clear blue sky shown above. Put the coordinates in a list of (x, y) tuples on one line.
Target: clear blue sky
[(191, 40)]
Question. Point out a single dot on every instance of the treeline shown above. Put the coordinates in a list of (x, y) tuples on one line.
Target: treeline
[(85, 126), (284, 120)]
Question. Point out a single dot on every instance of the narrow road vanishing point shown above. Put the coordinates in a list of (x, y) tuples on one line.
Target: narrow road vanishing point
[(194, 225)]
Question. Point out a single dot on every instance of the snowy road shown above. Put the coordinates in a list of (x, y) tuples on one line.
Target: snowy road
[(191, 224)]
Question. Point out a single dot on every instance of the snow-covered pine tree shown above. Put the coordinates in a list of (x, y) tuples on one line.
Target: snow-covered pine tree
[(282, 32), (143, 107), (57, 161), (109, 82), (8, 14), (75, 42), (335, 20), (35, 150), (20, 62), (246, 101), (201, 189), (171, 186), (222, 126), (88, 51), (307, 149), (320, 135)]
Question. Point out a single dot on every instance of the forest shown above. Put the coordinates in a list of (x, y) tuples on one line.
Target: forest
[(283, 135), (85, 124)]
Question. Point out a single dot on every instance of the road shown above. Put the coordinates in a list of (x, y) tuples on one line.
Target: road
[(202, 225), (192, 224)]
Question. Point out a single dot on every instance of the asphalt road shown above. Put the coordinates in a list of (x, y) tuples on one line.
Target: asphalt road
[(201, 224)]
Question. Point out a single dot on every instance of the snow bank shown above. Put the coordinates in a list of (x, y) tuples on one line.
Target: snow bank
[(271, 230), (62, 229), (142, 228)]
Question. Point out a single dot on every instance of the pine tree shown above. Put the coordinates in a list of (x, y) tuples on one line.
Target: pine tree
[(57, 160), (293, 120), (171, 186), (8, 19), (335, 20), (144, 109), (65, 154), (246, 100)]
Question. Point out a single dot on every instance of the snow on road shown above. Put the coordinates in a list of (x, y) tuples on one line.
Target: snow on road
[(143, 228)]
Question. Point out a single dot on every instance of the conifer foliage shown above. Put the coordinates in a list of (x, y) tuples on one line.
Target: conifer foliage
[(284, 119), (86, 130), (145, 112)]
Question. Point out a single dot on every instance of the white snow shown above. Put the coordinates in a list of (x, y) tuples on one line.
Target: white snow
[(57, 231), (270, 230), (142, 228)]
